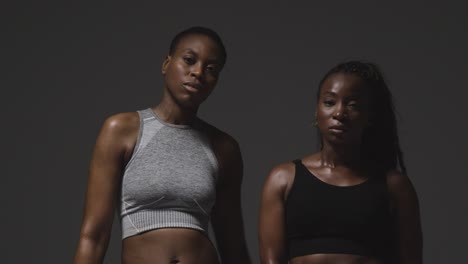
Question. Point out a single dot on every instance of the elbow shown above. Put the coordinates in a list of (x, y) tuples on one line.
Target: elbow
[(91, 248), (95, 232), (272, 254), (272, 259), (94, 237)]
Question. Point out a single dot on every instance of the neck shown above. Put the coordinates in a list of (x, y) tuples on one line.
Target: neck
[(340, 155), (169, 111)]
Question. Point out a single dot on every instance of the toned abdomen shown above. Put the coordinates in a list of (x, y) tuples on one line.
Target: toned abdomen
[(169, 246)]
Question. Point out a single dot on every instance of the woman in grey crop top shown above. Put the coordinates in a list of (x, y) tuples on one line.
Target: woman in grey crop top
[(350, 202), (167, 173)]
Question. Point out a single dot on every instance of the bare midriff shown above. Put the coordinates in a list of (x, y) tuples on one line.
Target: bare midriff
[(334, 259), (169, 246)]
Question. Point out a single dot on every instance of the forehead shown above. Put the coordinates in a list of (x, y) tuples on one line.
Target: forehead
[(200, 44), (345, 85)]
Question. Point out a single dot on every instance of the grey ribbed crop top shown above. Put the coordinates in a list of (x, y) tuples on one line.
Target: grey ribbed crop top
[(170, 180)]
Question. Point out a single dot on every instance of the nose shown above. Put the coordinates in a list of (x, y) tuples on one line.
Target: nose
[(196, 70), (340, 112)]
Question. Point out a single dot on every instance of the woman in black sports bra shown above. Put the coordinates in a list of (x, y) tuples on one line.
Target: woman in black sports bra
[(351, 202)]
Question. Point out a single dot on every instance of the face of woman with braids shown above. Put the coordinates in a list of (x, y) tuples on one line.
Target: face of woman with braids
[(343, 109)]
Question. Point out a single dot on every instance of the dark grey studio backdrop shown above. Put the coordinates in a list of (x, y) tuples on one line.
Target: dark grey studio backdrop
[(71, 66)]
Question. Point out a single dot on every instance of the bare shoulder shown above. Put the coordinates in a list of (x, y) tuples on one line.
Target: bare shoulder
[(225, 142), (119, 133), (224, 145), (397, 181), (282, 172), (122, 123), (280, 179), (400, 187)]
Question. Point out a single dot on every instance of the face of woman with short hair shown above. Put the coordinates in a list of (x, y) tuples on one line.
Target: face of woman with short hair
[(343, 109), (192, 71)]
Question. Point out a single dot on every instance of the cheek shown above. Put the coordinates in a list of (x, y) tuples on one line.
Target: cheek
[(209, 89), (210, 77), (360, 124), (176, 69), (322, 119), (212, 81), (362, 118), (180, 69), (323, 113)]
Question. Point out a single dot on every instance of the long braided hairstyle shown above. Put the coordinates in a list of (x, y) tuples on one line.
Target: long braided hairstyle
[(380, 142)]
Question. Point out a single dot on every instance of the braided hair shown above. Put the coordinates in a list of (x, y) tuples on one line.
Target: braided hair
[(380, 142)]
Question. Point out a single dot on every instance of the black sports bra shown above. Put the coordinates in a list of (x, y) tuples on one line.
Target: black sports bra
[(324, 218)]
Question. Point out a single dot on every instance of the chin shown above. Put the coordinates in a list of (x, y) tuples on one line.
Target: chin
[(189, 101), (340, 140)]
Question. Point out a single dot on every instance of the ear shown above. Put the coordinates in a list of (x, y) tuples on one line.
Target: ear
[(315, 118), (165, 63)]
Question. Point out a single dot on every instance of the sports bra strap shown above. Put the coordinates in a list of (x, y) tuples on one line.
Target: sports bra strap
[(297, 162)]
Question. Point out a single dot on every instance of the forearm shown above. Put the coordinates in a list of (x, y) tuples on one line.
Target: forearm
[(410, 245), (410, 259)]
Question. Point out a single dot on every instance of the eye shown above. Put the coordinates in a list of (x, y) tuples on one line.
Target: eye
[(328, 103), (353, 106), (189, 60), (212, 69)]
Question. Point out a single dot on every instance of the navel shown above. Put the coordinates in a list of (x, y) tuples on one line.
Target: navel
[(174, 260)]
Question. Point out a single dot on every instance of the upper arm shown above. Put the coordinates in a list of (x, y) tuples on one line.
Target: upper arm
[(112, 147), (405, 204), (271, 227), (227, 213)]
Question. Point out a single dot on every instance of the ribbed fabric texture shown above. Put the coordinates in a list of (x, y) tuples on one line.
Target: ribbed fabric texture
[(147, 220), (170, 181)]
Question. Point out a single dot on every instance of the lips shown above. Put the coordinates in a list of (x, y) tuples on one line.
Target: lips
[(192, 87), (337, 129)]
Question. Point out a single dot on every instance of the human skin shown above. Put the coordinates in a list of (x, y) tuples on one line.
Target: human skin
[(191, 73), (342, 115)]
